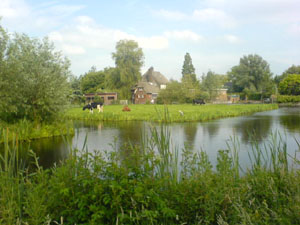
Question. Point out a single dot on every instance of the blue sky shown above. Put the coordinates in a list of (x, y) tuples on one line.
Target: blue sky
[(216, 33)]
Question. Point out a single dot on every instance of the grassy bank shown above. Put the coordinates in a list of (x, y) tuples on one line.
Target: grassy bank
[(27, 130), (169, 113), (140, 185)]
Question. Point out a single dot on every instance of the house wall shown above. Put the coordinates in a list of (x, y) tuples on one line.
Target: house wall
[(141, 97), (108, 98)]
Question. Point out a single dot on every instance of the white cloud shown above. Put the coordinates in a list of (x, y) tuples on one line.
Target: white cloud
[(232, 39), (206, 15), (214, 15), (44, 16), (89, 35), (73, 49), (183, 35), (171, 15), (12, 9)]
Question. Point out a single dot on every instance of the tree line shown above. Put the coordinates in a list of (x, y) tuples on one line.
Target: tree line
[(36, 82)]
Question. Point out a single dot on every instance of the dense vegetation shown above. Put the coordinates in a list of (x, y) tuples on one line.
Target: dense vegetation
[(169, 113), (33, 78), (288, 98), (290, 85), (148, 184), (34, 86)]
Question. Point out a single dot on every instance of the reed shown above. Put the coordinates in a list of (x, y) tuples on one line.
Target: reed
[(152, 183)]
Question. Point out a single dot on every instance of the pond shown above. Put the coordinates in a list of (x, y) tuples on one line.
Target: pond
[(209, 136)]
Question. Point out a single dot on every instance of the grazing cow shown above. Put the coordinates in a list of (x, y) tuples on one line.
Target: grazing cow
[(198, 101), (94, 105)]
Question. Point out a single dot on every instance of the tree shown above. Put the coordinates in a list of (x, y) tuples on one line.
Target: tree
[(33, 78), (188, 70), (291, 70), (251, 75), (129, 59), (211, 82), (174, 92), (290, 85), (92, 81)]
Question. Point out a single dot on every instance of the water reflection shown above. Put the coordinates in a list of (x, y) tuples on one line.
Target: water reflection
[(255, 127), (209, 136), (291, 123), (190, 132)]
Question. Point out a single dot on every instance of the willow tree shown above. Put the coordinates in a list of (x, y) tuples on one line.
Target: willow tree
[(129, 58), (33, 78)]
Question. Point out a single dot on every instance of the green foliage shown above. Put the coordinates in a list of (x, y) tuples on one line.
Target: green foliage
[(188, 70), (129, 59), (291, 70), (33, 78), (144, 184), (211, 82), (290, 85), (76, 96), (92, 81), (288, 98), (251, 75), (28, 130), (174, 93), (177, 92)]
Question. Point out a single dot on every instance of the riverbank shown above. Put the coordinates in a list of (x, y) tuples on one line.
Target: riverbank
[(167, 113), (25, 130), (141, 185)]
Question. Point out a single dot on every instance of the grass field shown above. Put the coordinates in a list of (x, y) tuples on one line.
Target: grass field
[(168, 113)]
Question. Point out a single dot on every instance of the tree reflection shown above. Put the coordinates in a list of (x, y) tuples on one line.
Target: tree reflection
[(190, 131), (212, 128), (256, 128), (290, 122)]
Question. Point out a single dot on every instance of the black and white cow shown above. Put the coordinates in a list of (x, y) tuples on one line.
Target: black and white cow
[(198, 101), (94, 105)]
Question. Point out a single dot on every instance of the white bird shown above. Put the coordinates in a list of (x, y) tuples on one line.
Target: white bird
[(181, 113)]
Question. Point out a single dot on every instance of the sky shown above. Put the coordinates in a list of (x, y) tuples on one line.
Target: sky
[(216, 33)]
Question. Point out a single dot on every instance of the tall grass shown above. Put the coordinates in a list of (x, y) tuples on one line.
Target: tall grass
[(28, 130), (152, 184)]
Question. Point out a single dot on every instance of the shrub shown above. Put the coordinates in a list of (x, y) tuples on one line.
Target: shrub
[(288, 98), (290, 85)]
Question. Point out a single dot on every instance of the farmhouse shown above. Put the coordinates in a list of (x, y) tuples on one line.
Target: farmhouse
[(148, 88), (107, 98)]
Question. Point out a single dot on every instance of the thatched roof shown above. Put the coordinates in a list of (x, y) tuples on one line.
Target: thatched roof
[(149, 88), (154, 77)]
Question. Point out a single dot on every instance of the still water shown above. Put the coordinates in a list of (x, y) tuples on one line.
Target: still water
[(209, 136)]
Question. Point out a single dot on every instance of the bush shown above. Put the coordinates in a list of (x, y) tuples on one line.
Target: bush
[(290, 85), (288, 98)]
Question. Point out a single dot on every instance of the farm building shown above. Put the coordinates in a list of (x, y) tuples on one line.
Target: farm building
[(148, 88), (107, 98)]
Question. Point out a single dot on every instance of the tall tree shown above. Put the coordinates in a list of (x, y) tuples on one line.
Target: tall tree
[(252, 74), (188, 69), (129, 58), (33, 78)]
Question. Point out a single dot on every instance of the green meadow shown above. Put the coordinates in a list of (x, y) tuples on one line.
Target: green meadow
[(168, 113)]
